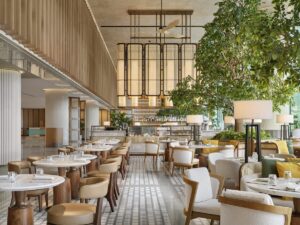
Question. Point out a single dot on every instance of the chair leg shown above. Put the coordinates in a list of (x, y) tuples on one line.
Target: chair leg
[(40, 202), (97, 218), (46, 199), (211, 222), (173, 169)]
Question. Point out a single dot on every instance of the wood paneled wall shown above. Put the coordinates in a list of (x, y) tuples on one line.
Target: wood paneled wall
[(33, 118), (64, 34)]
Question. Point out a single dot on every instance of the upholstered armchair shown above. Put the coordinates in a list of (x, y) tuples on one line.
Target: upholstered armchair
[(212, 158), (229, 170), (249, 208), (183, 158), (201, 192)]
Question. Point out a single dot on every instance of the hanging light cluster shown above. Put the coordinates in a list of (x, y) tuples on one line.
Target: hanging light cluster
[(152, 70)]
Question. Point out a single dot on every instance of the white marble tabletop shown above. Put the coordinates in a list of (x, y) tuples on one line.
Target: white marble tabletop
[(96, 148), (28, 182), (107, 142), (261, 185), (80, 157), (61, 162)]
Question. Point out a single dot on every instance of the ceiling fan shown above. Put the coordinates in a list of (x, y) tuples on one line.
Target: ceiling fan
[(166, 30)]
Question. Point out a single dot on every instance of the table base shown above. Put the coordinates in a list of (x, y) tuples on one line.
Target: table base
[(20, 213), (62, 192), (296, 214), (74, 176), (92, 166)]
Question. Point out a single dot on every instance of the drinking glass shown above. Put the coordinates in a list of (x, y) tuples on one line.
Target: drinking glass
[(272, 179), (61, 155), (39, 171), (255, 156), (12, 177), (288, 175)]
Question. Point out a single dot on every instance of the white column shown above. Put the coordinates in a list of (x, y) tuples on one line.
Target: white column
[(92, 116), (57, 111), (10, 116)]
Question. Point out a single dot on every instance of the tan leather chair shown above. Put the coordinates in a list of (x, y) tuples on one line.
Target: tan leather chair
[(18, 167), (108, 170), (117, 159), (31, 159), (122, 151), (81, 213)]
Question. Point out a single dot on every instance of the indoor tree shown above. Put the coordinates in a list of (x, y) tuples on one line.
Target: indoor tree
[(245, 53)]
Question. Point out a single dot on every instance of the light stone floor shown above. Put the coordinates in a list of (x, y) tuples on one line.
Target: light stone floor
[(149, 195)]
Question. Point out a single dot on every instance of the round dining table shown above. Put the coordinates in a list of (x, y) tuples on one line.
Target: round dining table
[(261, 185), (70, 188), (21, 213)]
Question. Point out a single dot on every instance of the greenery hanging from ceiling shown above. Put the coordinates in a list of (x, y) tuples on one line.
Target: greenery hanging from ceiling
[(245, 53)]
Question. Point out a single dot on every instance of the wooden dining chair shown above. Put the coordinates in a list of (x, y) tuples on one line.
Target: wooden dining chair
[(25, 166), (248, 208)]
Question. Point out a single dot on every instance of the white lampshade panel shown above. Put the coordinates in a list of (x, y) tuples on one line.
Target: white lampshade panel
[(170, 67), (188, 60), (121, 70), (285, 119), (122, 101), (229, 120), (152, 70), (152, 101), (194, 119), (134, 101), (135, 69), (253, 109)]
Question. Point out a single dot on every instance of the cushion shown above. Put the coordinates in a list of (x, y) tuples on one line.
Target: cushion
[(210, 150), (211, 206), (290, 166), (201, 175), (282, 147), (290, 146), (249, 196), (269, 167), (71, 214)]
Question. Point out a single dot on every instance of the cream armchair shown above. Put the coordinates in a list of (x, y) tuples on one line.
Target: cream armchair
[(202, 191), (183, 157), (249, 208), (212, 158)]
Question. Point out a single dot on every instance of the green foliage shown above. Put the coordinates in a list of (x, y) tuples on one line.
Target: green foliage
[(168, 112), (119, 119), (245, 53), (234, 135)]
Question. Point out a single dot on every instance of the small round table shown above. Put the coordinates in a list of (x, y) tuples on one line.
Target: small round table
[(70, 188), (21, 213), (279, 190)]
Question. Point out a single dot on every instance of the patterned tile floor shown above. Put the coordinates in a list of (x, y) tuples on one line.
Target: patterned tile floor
[(149, 196)]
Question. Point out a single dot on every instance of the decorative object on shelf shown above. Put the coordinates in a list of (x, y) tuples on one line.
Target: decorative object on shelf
[(253, 109), (285, 120), (196, 121)]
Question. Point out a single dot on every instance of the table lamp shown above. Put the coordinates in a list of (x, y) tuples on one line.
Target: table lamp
[(195, 120), (285, 120), (252, 110)]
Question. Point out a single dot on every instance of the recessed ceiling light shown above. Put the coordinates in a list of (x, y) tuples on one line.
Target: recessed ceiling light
[(62, 85)]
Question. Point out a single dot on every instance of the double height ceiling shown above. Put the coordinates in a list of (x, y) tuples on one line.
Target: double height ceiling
[(152, 43)]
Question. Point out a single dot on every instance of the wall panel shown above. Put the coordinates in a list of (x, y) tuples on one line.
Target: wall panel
[(64, 33)]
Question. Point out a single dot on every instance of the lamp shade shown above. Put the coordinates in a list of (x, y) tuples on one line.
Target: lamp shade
[(152, 101), (229, 120), (285, 119), (106, 123), (194, 119), (135, 101), (253, 109)]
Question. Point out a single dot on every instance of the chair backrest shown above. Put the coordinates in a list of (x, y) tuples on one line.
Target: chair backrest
[(250, 168), (151, 147), (174, 144), (230, 170), (18, 166), (212, 158), (204, 188), (110, 167), (251, 208), (282, 147), (228, 151), (183, 155), (93, 187)]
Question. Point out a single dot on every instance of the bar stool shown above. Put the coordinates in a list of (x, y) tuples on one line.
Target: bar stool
[(108, 170), (81, 213), (18, 167)]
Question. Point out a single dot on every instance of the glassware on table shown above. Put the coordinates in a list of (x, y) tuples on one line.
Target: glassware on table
[(61, 155), (272, 156), (49, 158), (255, 156), (11, 177), (288, 175), (39, 171), (272, 179)]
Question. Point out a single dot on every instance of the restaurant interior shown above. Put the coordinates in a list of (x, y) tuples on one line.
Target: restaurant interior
[(138, 112)]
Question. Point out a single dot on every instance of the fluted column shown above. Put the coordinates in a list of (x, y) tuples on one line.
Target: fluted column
[(57, 117), (92, 116), (10, 116)]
